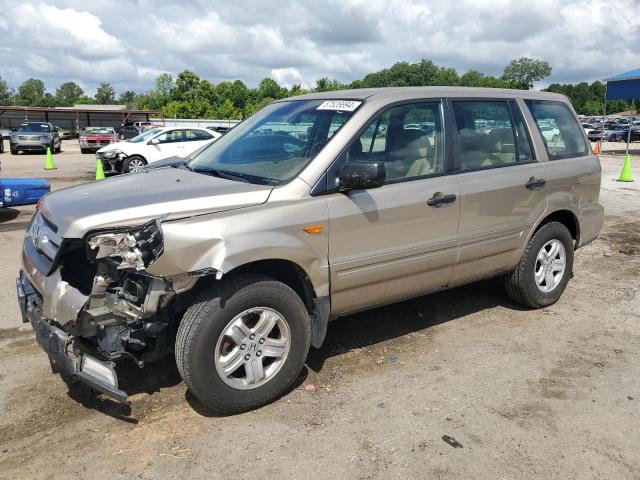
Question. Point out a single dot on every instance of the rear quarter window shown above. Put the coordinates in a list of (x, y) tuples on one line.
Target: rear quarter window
[(561, 133)]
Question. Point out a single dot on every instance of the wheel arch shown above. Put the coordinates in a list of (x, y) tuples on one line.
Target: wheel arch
[(295, 277), (566, 218), (140, 156)]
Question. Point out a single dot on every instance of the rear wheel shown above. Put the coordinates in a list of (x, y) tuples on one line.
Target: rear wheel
[(243, 343), (544, 269), (133, 164)]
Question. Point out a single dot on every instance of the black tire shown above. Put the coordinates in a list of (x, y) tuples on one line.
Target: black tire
[(206, 319), (83, 150), (59, 150), (520, 282), (14, 151), (126, 165)]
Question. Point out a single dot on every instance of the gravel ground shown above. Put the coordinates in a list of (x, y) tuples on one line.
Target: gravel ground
[(552, 393)]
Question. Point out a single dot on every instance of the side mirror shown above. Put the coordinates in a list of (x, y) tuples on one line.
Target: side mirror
[(360, 176), (154, 141)]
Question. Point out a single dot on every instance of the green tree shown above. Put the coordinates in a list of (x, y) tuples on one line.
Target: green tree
[(228, 111), (325, 84), (523, 71), (164, 84), (105, 95), (68, 94), (31, 93), (269, 88), (185, 85), (48, 100), (85, 100), (128, 98), (6, 93)]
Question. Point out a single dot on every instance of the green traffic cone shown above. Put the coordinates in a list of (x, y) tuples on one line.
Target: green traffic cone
[(99, 169), (625, 174), (48, 163)]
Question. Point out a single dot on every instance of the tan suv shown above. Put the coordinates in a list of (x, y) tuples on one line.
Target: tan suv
[(314, 207)]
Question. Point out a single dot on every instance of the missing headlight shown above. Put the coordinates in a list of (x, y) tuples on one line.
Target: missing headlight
[(133, 248)]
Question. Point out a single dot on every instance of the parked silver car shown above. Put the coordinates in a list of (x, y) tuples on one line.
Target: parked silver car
[(315, 207), (35, 136)]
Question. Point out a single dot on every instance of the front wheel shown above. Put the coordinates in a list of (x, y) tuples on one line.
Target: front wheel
[(243, 343), (133, 164), (545, 268)]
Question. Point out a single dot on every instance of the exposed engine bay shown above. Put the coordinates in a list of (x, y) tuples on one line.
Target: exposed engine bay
[(125, 314)]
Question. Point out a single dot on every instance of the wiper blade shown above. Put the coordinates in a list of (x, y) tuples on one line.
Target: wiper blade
[(220, 173)]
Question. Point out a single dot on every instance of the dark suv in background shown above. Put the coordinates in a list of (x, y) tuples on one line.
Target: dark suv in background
[(128, 131), (35, 136)]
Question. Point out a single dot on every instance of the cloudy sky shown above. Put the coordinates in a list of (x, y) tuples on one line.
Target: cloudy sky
[(128, 42)]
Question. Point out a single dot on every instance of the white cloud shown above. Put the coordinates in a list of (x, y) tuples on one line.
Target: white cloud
[(128, 43), (287, 77)]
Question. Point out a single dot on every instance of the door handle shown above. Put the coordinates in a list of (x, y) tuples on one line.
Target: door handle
[(535, 183), (439, 200)]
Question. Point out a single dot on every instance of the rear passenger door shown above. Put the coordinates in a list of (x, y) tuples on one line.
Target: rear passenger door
[(400, 239), (573, 171), (503, 186)]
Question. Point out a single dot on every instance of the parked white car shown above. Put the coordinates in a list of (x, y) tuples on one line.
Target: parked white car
[(156, 144)]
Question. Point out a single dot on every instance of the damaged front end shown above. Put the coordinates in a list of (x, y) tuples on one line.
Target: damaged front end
[(91, 301)]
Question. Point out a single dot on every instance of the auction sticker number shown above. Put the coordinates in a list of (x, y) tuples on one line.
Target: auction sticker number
[(344, 105)]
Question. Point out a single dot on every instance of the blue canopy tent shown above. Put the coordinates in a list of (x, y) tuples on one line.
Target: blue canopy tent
[(623, 86)]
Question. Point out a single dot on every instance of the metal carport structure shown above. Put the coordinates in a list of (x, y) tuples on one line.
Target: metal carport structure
[(75, 117), (623, 86)]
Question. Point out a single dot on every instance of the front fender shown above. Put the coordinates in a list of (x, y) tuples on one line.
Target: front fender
[(231, 239)]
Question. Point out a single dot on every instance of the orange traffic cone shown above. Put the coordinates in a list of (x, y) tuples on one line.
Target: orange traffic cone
[(597, 149)]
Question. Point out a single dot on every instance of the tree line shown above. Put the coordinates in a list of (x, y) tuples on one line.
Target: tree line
[(190, 96)]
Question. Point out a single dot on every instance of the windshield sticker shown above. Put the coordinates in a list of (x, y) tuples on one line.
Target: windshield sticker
[(344, 105)]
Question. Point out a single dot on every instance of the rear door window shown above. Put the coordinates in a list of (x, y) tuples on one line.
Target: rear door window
[(485, 136), (562, 135), (196, 135)]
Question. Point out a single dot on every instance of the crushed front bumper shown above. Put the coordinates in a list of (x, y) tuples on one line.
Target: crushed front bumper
[(99, 375), (112, 164)]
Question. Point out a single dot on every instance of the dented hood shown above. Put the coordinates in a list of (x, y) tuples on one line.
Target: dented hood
[(136, 198)]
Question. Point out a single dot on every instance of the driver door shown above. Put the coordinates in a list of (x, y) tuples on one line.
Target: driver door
[(393, 242)]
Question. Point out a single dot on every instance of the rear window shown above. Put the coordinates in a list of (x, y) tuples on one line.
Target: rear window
[(563, 136)]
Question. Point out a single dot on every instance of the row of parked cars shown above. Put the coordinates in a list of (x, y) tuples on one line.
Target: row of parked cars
[(614, 130), (118, 152)]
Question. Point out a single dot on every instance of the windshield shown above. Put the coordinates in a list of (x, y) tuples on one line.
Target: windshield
[(96, 131), (275, 144), (143, 137), (34, 127)]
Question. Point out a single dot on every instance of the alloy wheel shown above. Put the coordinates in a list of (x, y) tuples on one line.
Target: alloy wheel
[(135, 165), (252, 348), (550, 265)]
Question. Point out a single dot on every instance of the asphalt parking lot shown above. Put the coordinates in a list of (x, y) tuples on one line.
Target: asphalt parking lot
[(552, 393)]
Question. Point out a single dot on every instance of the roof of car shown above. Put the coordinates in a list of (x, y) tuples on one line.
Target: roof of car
[(392, 94)]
